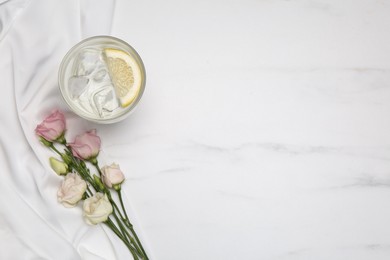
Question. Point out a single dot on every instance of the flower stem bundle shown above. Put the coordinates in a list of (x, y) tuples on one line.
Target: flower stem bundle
[(79, 184)]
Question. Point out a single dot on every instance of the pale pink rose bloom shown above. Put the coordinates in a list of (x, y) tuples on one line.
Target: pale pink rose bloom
[(112, 175), (86, 146), (52, 126), (97, 208), (72, 190)]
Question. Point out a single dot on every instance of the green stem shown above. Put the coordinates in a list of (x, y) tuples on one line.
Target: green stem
[(123, 207), (138, 242), (125, 219), (117, 208), (96, 164), (118, 233), (126, 234), (123, 228), (55, 149), (130, 226), (76, 162), (89, 191)]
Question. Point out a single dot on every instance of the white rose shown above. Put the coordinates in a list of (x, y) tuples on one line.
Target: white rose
[(72, 190), (112, 175), (97, 209)]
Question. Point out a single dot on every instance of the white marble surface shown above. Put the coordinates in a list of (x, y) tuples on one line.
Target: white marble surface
[(263, 133)]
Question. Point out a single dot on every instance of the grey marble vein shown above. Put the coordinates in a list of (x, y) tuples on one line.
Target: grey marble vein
[(295, 149)]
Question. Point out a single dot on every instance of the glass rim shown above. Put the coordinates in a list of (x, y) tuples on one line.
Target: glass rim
[(66, 62)]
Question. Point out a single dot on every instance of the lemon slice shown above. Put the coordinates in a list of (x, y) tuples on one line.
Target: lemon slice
[(125, 75)]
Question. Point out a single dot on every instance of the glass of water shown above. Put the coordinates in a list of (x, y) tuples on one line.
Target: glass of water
[(102, 79)]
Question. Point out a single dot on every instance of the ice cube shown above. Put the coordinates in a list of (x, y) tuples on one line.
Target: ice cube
[(105, 101), (87, 62), (77, 86), (100, 74)]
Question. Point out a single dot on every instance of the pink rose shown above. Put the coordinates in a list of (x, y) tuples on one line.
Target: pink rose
[(53, 127), (86, 146), (112, 175)]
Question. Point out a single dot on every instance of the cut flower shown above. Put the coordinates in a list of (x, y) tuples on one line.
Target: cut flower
[(53, 127), (72, 190), (112, 175), (86, 146), (97, 208), (80, 183)]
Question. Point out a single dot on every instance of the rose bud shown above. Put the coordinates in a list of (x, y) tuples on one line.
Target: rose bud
[(58, 166)]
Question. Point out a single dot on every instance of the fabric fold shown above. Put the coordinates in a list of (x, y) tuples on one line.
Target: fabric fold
[(9, 10), (33, 224)]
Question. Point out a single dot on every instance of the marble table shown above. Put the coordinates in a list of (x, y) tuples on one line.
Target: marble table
[(263, 133), (265, 129)]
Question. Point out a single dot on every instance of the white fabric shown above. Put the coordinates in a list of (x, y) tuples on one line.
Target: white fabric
[(35, 37), (9, 10)]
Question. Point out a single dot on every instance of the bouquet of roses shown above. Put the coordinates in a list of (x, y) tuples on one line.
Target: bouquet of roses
[(79, 184)]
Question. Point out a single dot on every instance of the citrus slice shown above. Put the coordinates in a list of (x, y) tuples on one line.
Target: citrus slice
[(125, 75)]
